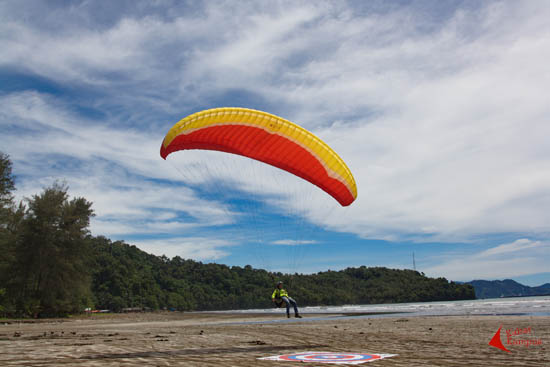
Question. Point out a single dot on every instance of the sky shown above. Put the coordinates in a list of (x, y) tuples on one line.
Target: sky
[(439, 108)]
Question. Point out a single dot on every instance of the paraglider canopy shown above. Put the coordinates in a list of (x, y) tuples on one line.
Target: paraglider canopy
[(266, 138)]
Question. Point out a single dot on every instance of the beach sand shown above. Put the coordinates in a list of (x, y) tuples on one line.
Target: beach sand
[(220, 339)]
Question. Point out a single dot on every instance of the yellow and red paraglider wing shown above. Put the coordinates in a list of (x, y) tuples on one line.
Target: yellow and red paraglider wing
[(266, 138)]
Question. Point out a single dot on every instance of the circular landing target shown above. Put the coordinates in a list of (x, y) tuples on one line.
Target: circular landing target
[(329, 357)]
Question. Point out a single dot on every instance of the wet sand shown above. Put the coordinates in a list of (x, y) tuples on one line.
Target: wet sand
[(202, 339)]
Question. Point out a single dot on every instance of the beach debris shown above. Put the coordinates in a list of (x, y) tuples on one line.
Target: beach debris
[(257, 342), (329, 357), (17, 334)]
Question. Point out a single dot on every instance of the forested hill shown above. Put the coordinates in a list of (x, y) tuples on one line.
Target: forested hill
[(507, 288), (125, 276), (50, 265)]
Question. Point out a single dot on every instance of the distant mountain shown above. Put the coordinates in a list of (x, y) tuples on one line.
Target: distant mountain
[(506, 288)]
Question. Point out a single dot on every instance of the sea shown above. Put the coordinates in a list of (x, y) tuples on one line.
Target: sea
[(512, 306)]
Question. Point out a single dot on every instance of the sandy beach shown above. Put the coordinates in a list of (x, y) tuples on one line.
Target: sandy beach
[(213, 339)]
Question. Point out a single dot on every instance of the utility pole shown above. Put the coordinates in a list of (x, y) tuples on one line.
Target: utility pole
[(414, 263)]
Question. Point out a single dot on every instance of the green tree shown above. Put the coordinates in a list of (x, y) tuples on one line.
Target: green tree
[(7, 183), (9, 218), (51, 272)]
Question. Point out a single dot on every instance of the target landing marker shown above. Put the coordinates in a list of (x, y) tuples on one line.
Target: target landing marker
[(329, 357)]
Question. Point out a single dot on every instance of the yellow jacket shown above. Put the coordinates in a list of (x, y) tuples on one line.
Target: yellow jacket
[(279, 293)]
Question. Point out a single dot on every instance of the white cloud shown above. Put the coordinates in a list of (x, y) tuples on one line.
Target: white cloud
[(293, 242), (522, 246), (114, 169), (519, 258), (444, 124), (197, 248)]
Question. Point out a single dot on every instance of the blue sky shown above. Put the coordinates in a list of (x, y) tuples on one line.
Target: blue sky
[(440, 109)]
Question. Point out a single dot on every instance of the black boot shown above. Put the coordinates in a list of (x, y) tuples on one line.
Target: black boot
[(297, 316)]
